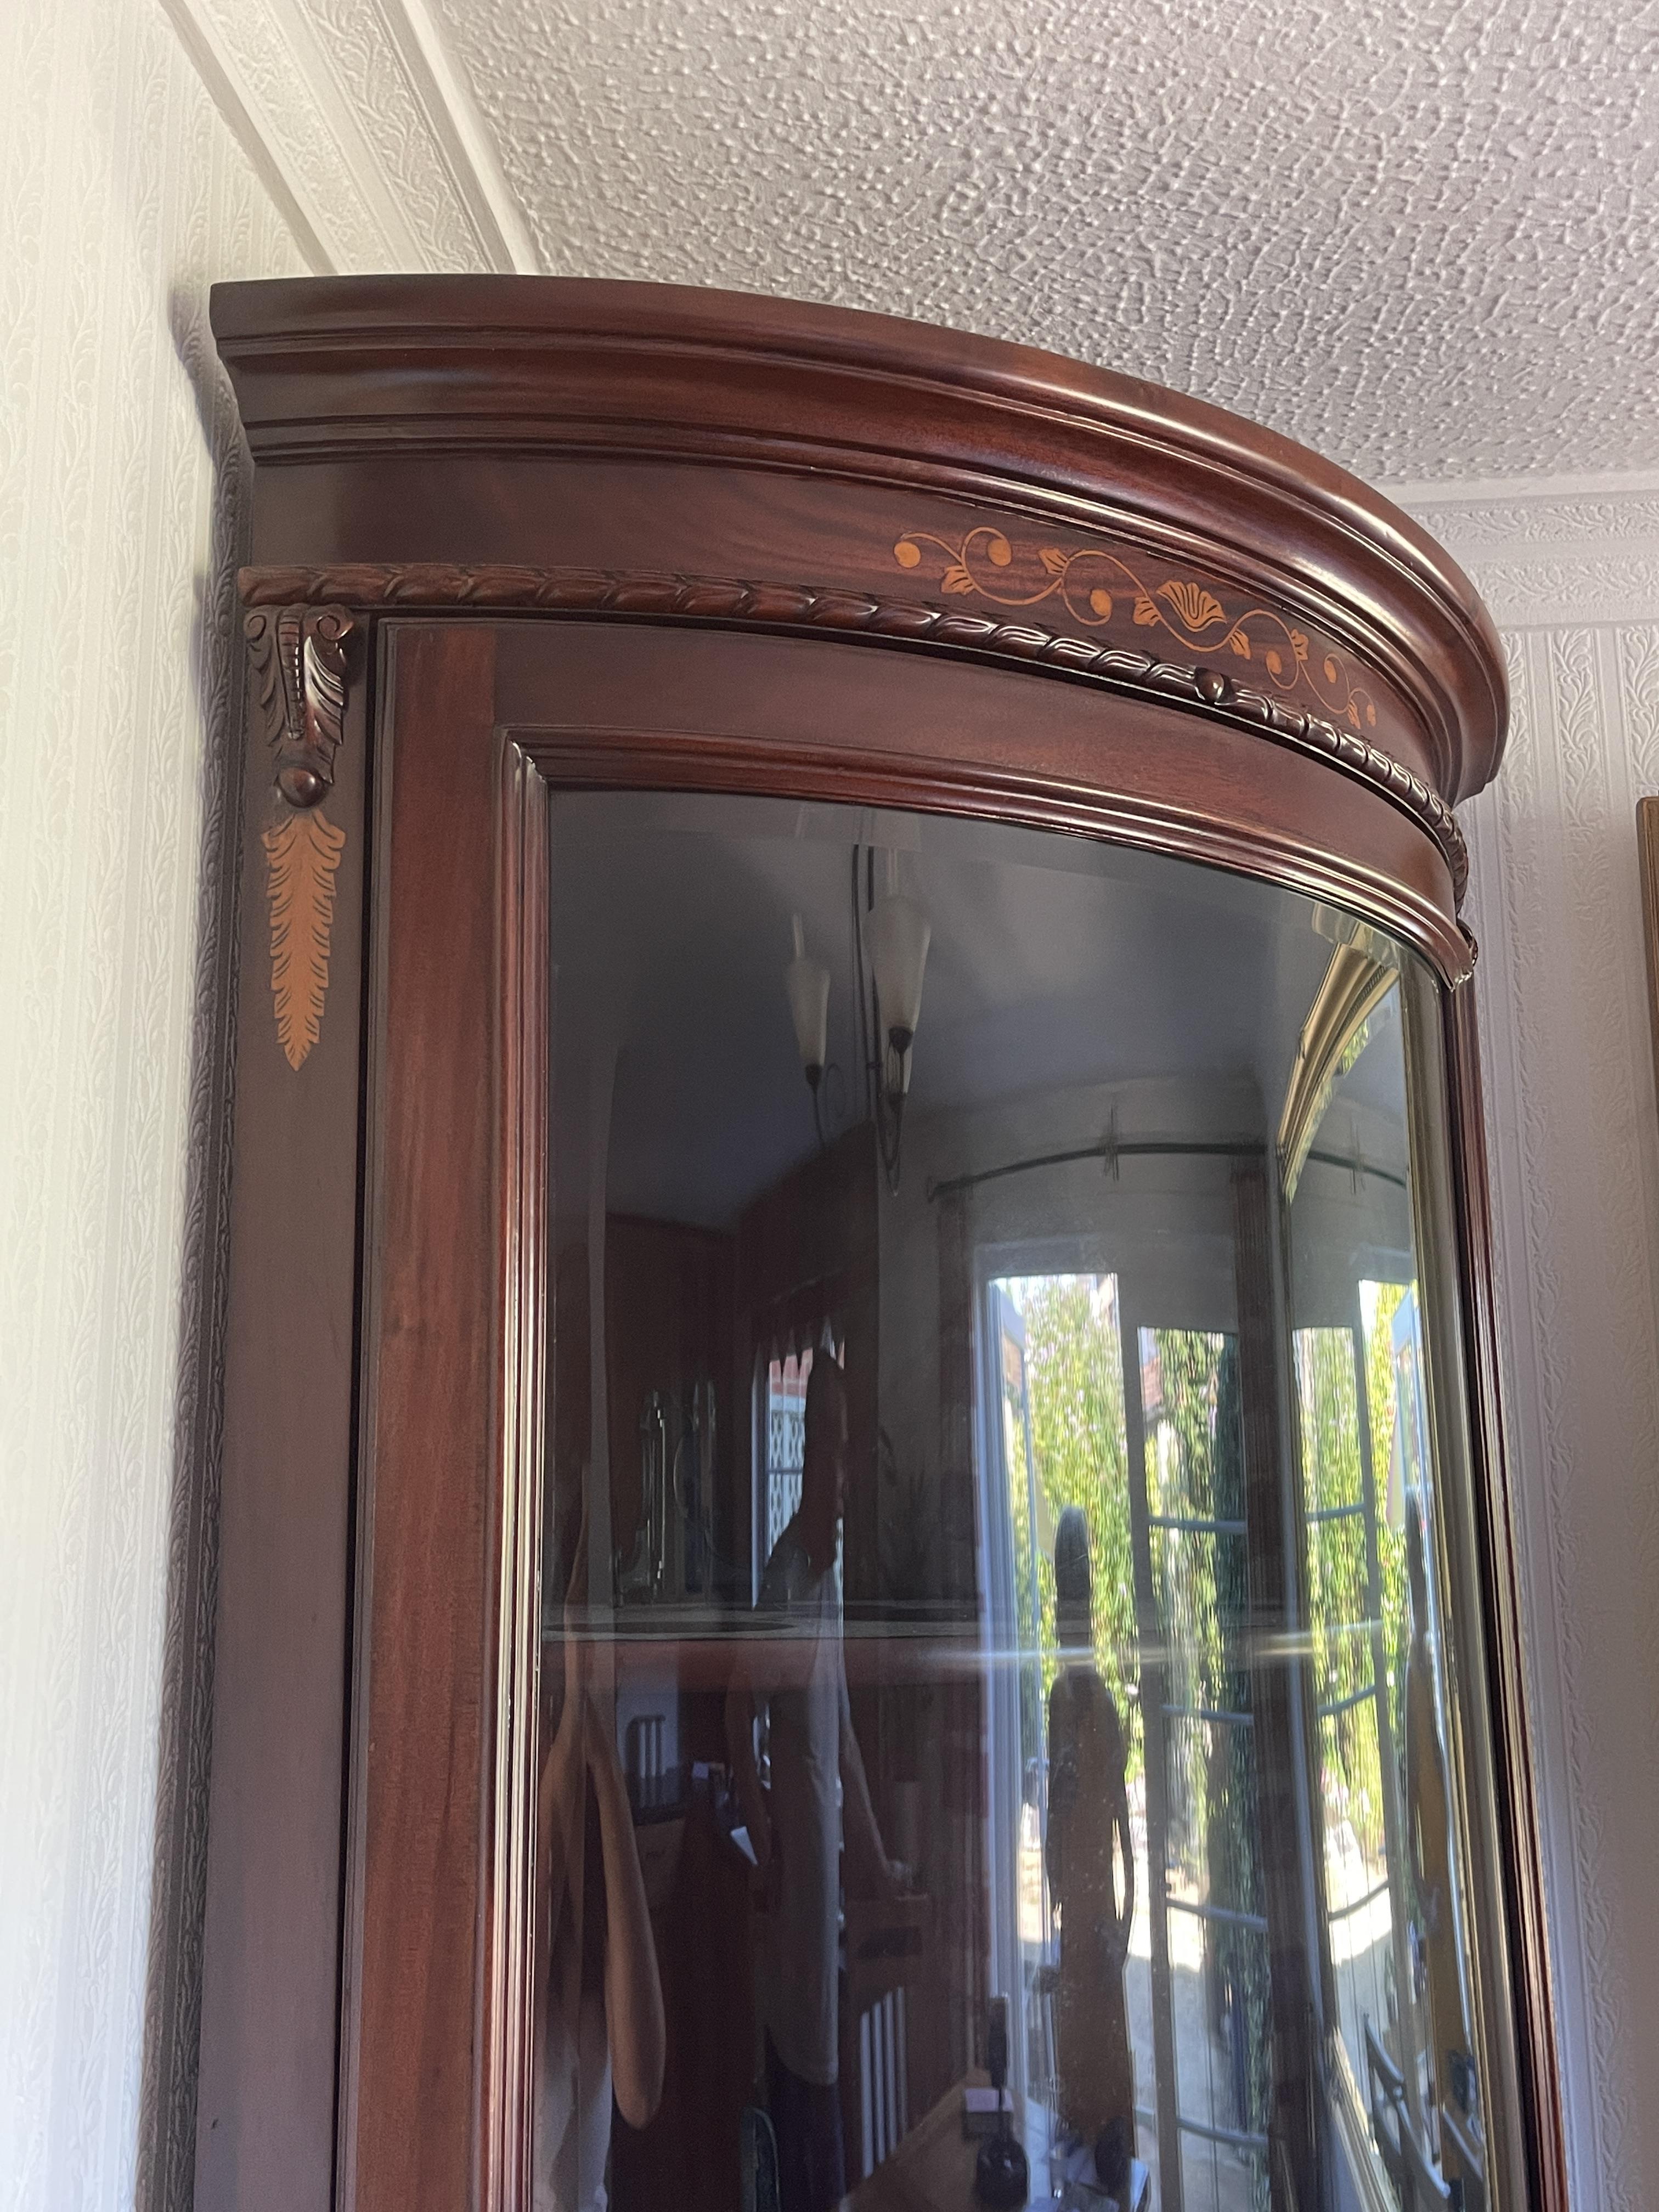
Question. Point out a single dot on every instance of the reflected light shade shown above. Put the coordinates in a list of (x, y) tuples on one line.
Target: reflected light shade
[(807, 982), (900, 934)]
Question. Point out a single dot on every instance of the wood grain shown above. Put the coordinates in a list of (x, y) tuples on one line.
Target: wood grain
[(429, 1576), (534, 498), (452, 389), (1647, 847), (893, 622), (1533, 2025), (715, 709), (523, 986), (271, 1963)]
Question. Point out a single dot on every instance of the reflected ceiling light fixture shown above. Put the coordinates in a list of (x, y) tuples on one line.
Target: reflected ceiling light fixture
[(898, 933), (807, 982)]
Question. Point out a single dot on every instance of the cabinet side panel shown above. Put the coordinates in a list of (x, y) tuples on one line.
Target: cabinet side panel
[(1517, 1803), (271, 1971), (430, 1448)]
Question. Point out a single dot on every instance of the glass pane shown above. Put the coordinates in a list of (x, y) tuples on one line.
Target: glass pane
[(1395, 1858), (1211, 1856), (1003, 1501)]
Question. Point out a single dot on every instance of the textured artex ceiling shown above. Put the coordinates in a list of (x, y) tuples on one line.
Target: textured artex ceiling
[(1421, 238)]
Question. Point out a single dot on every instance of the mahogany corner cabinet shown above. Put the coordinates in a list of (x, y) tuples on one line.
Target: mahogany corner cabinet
[(864, 1553)]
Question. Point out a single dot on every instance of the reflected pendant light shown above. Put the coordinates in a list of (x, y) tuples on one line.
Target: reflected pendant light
[(807, 982), (900, 932)]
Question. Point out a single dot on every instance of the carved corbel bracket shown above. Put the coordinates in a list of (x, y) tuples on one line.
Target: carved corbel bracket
[(297, 656)]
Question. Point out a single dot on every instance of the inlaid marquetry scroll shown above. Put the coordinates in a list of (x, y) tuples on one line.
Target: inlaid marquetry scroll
[(297, 659), (1094, 582)]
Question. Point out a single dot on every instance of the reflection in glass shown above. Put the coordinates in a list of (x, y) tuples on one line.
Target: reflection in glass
[(1002, 1492)]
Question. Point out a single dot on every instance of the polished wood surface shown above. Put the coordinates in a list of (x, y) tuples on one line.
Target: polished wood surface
[(485, 426), (1340, 732), (1533, 2026), (708, 709), (426, 1575), (271, 1976), (625, 452), (475, 396)]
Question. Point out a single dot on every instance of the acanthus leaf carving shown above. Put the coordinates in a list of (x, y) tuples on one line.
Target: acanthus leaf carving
[(302, 852), (298, 657)]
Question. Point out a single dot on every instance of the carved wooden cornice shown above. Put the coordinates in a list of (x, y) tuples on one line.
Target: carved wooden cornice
[(375, 383), (446, 587)]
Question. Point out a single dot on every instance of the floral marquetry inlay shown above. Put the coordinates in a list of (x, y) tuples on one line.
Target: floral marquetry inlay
[(1098, 585)]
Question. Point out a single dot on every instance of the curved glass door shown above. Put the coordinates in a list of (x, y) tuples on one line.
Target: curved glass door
[(1011, 1702)]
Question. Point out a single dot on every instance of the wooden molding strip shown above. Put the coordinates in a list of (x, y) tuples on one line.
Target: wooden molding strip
[(496, 588), (1647, 847)]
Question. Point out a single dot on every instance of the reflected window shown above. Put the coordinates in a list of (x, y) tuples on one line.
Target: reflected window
[(785, 1443)]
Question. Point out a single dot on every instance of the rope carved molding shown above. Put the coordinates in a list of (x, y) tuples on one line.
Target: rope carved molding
[(440, 586), (297, 663)]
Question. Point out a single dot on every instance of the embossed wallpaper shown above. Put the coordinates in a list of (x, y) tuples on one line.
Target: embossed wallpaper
[(122, 194), (1573, 1142)]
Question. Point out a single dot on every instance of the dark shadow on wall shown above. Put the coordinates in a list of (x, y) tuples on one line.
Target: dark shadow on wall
[(172, 1996)]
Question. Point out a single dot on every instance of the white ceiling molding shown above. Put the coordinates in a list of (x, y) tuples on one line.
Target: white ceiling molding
[(1549, 551), (359, 126), (468, 148)]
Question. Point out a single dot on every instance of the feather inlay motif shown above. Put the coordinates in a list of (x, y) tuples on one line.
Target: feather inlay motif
[(302, 852)]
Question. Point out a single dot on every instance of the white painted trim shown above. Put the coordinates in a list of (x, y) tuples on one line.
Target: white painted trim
[(458, 126), (1545, 551), (1502, 491), (362, 130)]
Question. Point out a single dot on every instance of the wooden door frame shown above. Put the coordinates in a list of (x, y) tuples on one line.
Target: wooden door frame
[(441, 1835)]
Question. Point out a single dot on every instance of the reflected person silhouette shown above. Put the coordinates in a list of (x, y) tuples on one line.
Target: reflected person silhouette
[(597, 1994), (1088, 1812), (796, 1666)]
